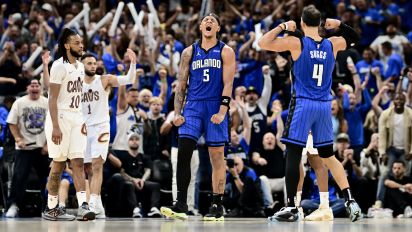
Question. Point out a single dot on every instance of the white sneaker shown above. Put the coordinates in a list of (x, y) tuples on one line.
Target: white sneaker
[(321, 214), (13, 211), (137, 213), (154, 212), (408, 212), (301, 214), (98, 209)]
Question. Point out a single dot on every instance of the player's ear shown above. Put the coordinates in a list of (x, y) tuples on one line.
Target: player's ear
[(218, 28), (66, 46)]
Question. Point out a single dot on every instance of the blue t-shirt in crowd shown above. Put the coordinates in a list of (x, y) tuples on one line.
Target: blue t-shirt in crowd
[(355, 118), (395, 65), (364, 68)]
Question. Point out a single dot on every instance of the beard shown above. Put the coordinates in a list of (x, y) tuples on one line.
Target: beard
[(89, 73), (75, 54)]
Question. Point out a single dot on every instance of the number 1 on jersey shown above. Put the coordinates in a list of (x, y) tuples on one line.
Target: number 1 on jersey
[(90, 110), (318, 73), (205, 75)]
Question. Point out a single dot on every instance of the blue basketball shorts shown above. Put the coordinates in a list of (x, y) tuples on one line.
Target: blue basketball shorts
[(197, 116), (306, 115)]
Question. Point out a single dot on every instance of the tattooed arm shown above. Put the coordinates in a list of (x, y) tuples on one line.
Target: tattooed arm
[(182, 77)]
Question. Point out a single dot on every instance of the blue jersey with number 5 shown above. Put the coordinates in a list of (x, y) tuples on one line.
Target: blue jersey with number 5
[(206, 73), (312, 71)]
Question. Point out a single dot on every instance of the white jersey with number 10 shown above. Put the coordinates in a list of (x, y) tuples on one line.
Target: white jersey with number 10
[(70, 77)]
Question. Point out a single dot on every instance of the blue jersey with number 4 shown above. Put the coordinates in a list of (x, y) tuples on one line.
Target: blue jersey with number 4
[(206, 73), (313, 69)]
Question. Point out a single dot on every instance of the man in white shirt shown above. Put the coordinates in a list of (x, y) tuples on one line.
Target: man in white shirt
[(65, 139), (26, 122), (397, 41)]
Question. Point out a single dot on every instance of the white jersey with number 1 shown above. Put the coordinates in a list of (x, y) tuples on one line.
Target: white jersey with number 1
[(95, 101)]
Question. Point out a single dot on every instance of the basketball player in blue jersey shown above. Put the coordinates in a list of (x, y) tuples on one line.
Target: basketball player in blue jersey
[(207, 69), (310, 106)]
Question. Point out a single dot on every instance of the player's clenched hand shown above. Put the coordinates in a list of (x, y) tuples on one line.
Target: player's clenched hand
[(178, 120), (291, 25), (57, 135), (217, 118), (332, 24), (130, 53)]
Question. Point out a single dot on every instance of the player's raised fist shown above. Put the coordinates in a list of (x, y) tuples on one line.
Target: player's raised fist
[(130, 53), (291, 25), (178, 120), (332, 23)]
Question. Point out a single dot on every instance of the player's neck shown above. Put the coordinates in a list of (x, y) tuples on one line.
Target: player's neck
[(208, 43), (88, 79), (313, 32), (71, 58)]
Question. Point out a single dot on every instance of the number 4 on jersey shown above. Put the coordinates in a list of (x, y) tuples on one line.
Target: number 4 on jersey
[(318, 73)]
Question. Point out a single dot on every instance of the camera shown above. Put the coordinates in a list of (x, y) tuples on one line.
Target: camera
[(230, 163)]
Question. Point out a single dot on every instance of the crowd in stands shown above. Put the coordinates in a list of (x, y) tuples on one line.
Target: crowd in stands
[(371, 111)]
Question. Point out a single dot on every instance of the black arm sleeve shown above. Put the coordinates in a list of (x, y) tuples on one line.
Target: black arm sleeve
[(349, 34)]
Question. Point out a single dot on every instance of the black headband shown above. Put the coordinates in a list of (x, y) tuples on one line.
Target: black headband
[(214, 16)]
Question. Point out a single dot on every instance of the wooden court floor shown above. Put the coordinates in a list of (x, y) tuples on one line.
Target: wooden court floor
[(196, 225)]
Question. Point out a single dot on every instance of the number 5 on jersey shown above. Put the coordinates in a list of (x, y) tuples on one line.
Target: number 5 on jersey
[(318, 73), (205, 75)]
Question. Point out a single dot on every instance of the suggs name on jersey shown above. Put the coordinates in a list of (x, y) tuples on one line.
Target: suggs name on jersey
[(206, 63), (318, 54)]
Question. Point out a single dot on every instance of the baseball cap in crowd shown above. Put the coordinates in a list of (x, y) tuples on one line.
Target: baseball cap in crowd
[(351, 8), (252, 89), (47, 7), (133, 135), (342, 137)]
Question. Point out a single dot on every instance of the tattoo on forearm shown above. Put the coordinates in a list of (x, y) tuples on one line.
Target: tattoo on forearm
[(182, 77)]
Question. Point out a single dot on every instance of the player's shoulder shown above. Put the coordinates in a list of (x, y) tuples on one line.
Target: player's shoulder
[(59, 66), (58, 63), (187, 53), (228, 49), (227, 52), (188, 49)]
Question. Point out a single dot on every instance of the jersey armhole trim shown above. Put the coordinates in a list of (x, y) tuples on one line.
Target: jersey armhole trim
[(193, 50), (221, 50)]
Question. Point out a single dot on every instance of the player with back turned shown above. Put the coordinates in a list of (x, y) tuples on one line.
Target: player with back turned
[(207, 69), (310, 106)]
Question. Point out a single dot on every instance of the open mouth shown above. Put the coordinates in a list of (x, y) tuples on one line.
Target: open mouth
[(208, 28)]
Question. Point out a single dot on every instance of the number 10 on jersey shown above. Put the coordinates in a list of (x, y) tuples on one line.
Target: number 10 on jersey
[(318, 73)]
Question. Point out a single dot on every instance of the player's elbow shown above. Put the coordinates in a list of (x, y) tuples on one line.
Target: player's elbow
[(262, 43)]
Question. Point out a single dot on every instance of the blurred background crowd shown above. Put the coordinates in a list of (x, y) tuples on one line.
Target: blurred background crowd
[(371, 111)]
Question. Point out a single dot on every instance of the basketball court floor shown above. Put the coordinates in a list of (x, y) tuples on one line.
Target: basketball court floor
[(196, 225)]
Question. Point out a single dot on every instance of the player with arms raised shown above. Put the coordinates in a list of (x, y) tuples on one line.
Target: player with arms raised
[(310, 107)]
